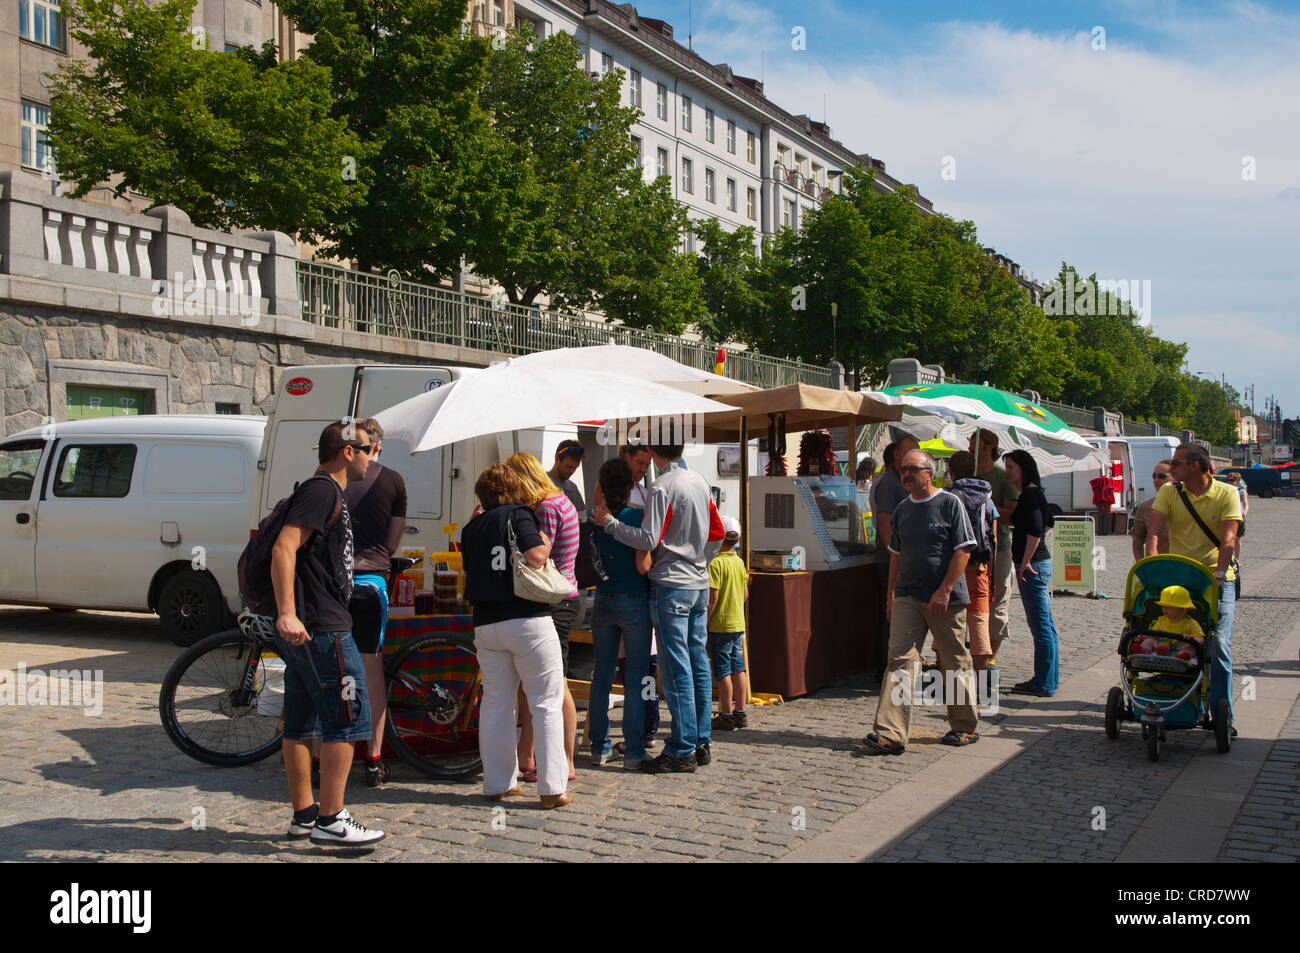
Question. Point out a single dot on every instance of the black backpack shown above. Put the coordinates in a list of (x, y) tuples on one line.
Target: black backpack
[(254, 568), (588, 569), (974, 495)]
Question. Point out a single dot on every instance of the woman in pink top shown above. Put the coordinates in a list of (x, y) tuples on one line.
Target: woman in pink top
[(557, 518)]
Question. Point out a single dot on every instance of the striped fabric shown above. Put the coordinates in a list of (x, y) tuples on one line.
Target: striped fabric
[(557, 518)]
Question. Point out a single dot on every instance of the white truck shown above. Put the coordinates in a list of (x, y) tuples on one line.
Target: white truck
[(146, 513), (1072, 491)]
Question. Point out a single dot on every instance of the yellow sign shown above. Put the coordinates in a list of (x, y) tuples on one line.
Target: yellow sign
[(451, 528), (1072, 543)]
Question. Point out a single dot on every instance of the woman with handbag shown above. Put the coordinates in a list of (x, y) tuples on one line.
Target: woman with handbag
[(504, 553), (1031, 554), (557, 518)]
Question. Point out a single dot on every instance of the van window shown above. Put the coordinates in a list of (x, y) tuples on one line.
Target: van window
[(95, 470), (18, 463), (188, 470)]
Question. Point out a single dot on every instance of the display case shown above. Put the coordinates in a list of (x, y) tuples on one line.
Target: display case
[(824, 516)]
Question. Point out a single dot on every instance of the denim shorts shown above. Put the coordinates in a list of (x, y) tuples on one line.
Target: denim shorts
[(726, 653), (324, 689)]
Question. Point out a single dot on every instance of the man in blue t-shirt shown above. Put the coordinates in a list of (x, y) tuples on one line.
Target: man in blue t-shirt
[(929, 547)]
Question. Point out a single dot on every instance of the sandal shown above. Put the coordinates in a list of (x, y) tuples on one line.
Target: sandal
[(959, 739), (528, 775), (875, 745)]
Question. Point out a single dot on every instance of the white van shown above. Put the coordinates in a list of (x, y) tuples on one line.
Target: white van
[(145, 513), (1147, 452), (1072, 492)]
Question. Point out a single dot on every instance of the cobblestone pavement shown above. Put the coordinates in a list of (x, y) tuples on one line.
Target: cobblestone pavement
[(74, 787), (1268, 826)]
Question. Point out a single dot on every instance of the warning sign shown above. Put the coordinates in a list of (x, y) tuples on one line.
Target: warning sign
[(1072, 542)]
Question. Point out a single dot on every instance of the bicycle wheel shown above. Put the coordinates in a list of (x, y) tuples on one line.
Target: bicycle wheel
[(434, 691), (221, 701)]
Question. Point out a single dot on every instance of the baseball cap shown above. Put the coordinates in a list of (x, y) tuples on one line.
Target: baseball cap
[(731, 526)]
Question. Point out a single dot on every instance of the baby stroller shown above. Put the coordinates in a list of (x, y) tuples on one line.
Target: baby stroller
[(1160, 691)]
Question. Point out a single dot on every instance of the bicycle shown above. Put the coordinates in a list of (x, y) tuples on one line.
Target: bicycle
[(219, 702)]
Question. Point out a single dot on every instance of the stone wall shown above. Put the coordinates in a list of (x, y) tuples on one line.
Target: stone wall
[(189, 367)]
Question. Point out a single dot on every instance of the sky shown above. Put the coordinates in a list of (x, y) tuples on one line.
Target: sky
[(1152, 141)]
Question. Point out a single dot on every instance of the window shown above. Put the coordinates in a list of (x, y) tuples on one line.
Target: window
[(751, 205), (661, 163), (606, 64), (690, 243), (18, 463), (634, 94), (36, 152), (787, 213), (731, 194), (710, 186), (95, 470), (708, 125), (818, 174), (232, 409), (749, 147), (688, 178), (661, 101), (498, 13), (731, 137), (41, 22), (801, 163), (636, 144), (783, 156), (686, 113)]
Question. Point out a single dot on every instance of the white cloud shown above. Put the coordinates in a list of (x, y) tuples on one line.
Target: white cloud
[(1127, 162)]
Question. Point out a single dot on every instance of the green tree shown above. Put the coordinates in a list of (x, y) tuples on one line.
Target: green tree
[(407, 84), (234, 141), (729, 270)]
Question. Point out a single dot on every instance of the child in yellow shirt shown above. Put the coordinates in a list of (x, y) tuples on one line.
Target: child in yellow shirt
[(1174, 603)]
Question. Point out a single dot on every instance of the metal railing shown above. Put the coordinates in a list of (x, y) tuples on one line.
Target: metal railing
[(336, 297)]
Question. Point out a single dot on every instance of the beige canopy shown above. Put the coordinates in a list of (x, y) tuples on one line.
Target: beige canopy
[(806, 407)]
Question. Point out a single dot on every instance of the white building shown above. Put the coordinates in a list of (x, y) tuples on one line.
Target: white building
[(731, 153)]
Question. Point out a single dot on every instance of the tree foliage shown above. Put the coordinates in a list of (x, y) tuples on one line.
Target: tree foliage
[(235, 141)]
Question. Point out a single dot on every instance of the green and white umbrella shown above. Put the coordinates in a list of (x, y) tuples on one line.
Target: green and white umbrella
[(955, 411)]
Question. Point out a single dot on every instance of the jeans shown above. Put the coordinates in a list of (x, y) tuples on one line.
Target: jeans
[(1221, 672), (618, 615), (1036, 594), (727, 654), (324, 689), (680, 618)]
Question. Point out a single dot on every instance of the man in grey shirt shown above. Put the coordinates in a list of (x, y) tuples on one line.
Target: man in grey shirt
[(929, 548), (886, 493)]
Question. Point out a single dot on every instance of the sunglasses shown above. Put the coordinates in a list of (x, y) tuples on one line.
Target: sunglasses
[(361, 447), (912, 469), (1160, 476)]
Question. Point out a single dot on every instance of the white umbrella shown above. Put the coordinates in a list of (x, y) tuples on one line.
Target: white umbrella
[(516, 395), (635, 362)]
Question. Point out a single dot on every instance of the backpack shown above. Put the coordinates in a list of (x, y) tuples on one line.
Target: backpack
[(254, 569), (588, 569), (975, 495)]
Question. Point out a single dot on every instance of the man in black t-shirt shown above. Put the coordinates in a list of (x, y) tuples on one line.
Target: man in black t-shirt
[(377, 505), (324, 683)]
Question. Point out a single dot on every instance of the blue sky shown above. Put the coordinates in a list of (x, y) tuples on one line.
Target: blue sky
[(1171, 155)]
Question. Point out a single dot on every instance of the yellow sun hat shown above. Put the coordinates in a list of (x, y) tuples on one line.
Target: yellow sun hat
[(1176, 597)]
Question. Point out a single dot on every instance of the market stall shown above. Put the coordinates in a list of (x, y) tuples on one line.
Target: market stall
[(814, 601)]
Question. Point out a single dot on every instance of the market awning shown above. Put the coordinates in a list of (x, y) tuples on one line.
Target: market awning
[(806, 407)]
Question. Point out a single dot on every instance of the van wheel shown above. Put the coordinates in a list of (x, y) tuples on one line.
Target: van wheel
[(190, 607)]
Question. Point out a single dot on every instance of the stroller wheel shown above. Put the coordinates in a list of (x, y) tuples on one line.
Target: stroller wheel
[(1113, 702), (1153, 744), (1222, 726)]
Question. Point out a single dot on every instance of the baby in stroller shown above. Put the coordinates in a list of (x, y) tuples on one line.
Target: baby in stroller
[(1175, 602)]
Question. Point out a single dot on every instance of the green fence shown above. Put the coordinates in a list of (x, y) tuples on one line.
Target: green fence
[(335, 297)]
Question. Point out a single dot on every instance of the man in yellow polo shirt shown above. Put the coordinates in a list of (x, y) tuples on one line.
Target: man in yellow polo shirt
[(1219, 508)]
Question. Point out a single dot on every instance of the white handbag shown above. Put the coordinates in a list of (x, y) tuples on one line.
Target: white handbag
[(536, 583)]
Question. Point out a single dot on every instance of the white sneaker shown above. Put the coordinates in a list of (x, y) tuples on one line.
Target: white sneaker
[(344, 832)]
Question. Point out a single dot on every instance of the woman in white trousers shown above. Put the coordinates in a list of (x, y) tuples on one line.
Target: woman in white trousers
[(516, 642)]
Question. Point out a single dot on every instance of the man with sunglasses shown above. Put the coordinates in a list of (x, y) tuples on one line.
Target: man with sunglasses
[(1142, 515), (324, 683), (1218, 514), (377, 505), (930, 544)]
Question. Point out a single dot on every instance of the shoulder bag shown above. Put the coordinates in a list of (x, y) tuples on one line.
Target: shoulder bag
[(535, 583), (1182, 495)]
